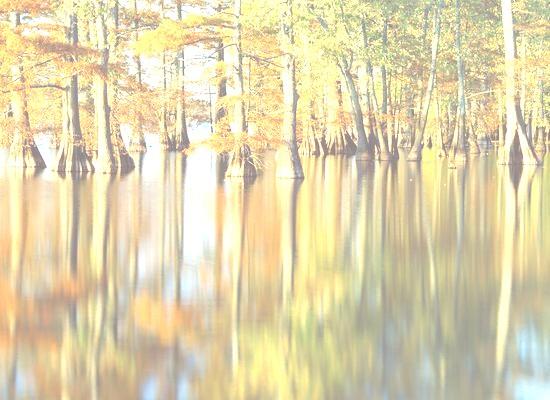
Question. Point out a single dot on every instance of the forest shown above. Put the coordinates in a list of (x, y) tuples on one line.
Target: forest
[(303, 77), (274, 199)]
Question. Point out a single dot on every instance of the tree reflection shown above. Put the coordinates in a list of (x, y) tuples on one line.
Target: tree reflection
[(384, 281)]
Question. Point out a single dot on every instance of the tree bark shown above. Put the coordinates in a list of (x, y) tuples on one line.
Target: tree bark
[(23, 150), (540, 121), (72, 155), (338, 141), (164, 137), (415, 153), (514, 124), (458, 147), (288, 159), (137, 138), (105, 161), (241, 162), (365, 149), (181, 138), (384, 153)]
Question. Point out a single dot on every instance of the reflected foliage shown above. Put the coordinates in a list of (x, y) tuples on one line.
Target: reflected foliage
[(362, 281)]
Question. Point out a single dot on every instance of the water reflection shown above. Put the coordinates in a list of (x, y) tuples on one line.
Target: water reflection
[(363, 281)]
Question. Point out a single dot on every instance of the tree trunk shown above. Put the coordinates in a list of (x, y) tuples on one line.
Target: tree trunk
[(123, 159), (164, 137), (338, 141), (72, 156), (384, 151), (365, 149), (540, 121), (23, 151), (241, 162), (105, 161), (137, 138), (416, 150), (375, 117), (514, 126), (288, 159), (181, 138), (222, 82), (458, 148)]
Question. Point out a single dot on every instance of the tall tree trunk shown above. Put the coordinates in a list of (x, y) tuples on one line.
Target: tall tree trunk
[(122, 158), (221, 86), (416, 150), (384, 151), (241, 163), (514, 123), (72, 156), (338, 140), (23, 151), (365, 148), (288, 159), (540, 120), (181, 138), (376, 123), (105, 161), (458, 148), (164, 137), (137, 138)]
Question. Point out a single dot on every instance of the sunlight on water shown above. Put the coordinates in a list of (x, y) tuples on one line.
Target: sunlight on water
[(362, 281)]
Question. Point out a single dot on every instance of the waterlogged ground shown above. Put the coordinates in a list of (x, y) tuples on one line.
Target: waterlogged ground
[(377, 281)]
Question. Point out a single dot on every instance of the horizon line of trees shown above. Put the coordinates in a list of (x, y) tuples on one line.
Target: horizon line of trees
[(305, 77)]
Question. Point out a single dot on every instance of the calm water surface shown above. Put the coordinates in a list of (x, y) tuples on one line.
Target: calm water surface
[(377, 281)]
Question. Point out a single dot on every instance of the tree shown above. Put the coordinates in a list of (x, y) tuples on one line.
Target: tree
[(241, 163), (180, 139), (515, 126), (415, 153), (72, 155), (289, 164), (109, 158), (23, 150)]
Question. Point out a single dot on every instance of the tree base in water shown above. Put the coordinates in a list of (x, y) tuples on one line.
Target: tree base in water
[(180, 144), (540, 147), (313, 146), (241, 163), (288, 162), (24, 154), (72, 157), (414, 156), (166, 144), (457, 157), (386, 156), (340, 143), (138, 145)]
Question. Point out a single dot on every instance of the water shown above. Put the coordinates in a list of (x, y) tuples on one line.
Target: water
[(390, 282)]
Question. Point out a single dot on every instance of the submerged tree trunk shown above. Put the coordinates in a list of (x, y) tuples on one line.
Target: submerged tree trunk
[(415, 153), (165, 140), (72, 156), (384, 153), (137, 138), (313, 142), (180, 140), (540, 121), (365, 148), (515, 127), (109, 159), (375, 117), (288, 159), (457, 152), (241, 163), (23, 151), (338, 140)]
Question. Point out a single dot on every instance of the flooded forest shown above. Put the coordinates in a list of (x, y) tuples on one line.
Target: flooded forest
[(257, 199)]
